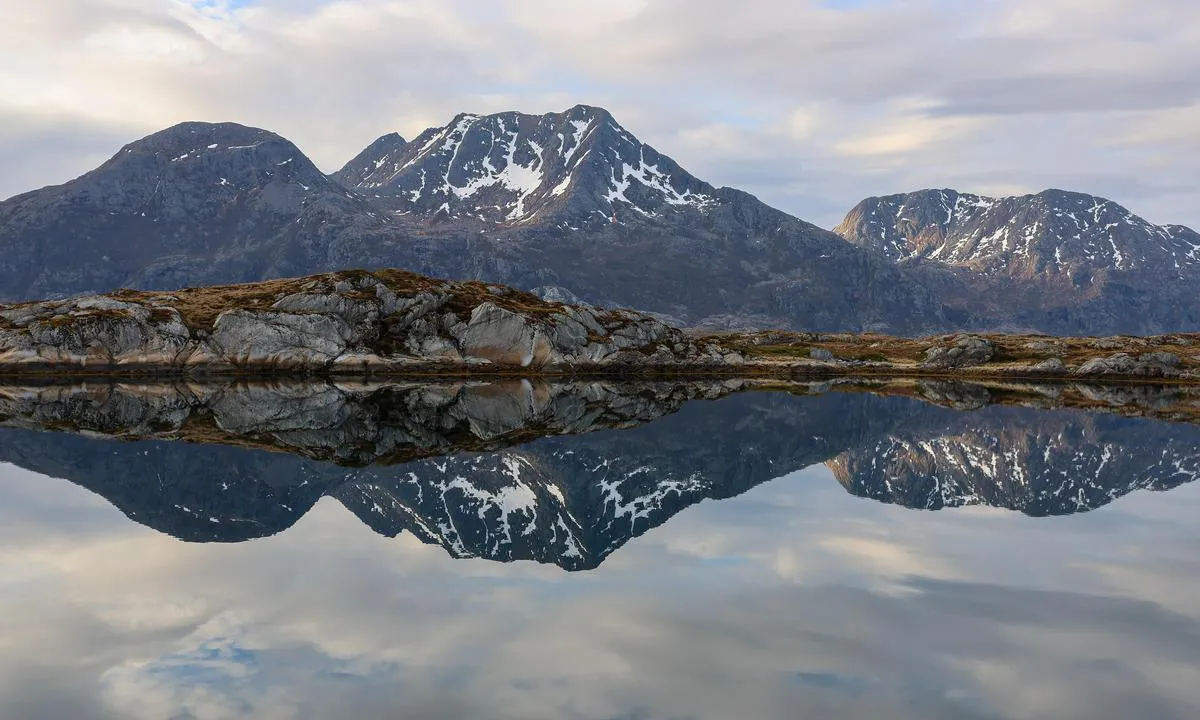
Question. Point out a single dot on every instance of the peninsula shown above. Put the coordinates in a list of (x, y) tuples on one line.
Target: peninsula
[(396, 323)]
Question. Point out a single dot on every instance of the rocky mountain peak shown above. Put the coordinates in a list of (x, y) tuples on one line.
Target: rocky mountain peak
[(576, 167), (1055, 232), (376, 156)]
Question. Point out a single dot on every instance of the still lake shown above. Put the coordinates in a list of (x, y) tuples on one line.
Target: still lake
[(593, 550)]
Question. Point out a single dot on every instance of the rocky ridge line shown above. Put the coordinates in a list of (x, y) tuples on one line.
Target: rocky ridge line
[(348, 322)]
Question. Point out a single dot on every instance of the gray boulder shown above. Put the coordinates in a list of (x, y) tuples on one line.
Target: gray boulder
[(1053, 365), (967, 351), (1153, 364)]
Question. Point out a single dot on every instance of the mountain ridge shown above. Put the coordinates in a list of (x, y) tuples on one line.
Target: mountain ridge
[(1055, 261), (623, 232), (573, 206), (529, 163)]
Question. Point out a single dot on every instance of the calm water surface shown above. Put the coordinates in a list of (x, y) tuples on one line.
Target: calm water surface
[(763, 555)]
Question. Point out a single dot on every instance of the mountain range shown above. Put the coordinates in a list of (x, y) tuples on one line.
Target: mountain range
[(1057, 261), (565, 473), (574, 207)]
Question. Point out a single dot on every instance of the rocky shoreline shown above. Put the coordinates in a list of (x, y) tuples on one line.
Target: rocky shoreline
[(392, 323)]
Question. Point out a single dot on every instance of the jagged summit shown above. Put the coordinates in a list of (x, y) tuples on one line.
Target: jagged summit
[(578, 166), (372, 160), (1051, 232)]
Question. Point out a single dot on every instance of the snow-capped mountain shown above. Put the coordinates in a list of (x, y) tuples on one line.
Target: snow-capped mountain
[(368, 162), (1056, 261), (567, 205), (1052, 232), (577, 166)]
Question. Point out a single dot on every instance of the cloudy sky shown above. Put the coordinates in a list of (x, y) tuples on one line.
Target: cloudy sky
[(810, 104)]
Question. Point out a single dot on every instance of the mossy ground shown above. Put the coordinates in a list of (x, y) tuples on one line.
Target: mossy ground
[(1012, 352)]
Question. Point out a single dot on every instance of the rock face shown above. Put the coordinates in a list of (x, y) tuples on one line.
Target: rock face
[(1057, 262), (342, 322), (569, 204)]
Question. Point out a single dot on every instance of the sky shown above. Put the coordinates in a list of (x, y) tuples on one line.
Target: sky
[(810, 104)]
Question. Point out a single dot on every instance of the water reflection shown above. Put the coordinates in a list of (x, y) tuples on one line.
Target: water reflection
[(565, 473), (789, 598)]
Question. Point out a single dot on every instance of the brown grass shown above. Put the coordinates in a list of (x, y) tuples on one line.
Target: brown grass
[(1011, 351)]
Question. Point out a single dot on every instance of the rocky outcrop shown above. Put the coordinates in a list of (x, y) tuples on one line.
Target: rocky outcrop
[(1149, 365), (967, 351), (388, 321), (391, 322)]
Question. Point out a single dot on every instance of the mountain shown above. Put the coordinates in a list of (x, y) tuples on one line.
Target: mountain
[(579, 169), (562, 473), (1058, 262), (197, 201), (569, 205), (369, 161), (575, 207)]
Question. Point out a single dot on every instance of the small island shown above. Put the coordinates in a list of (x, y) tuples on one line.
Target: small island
[(393, 323)]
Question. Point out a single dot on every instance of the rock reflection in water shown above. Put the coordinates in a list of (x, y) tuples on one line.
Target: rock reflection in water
[(567, 473)]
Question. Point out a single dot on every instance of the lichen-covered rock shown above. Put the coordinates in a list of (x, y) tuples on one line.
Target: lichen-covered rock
[(279, 339), (97, 331), (1153, 364), (967, 351), (1042, 346)]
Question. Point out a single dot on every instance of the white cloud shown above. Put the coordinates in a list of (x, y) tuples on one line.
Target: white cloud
[(805, 103)]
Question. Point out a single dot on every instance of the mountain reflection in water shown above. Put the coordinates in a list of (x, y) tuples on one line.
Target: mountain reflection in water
[(791, 598), (567, 473)]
